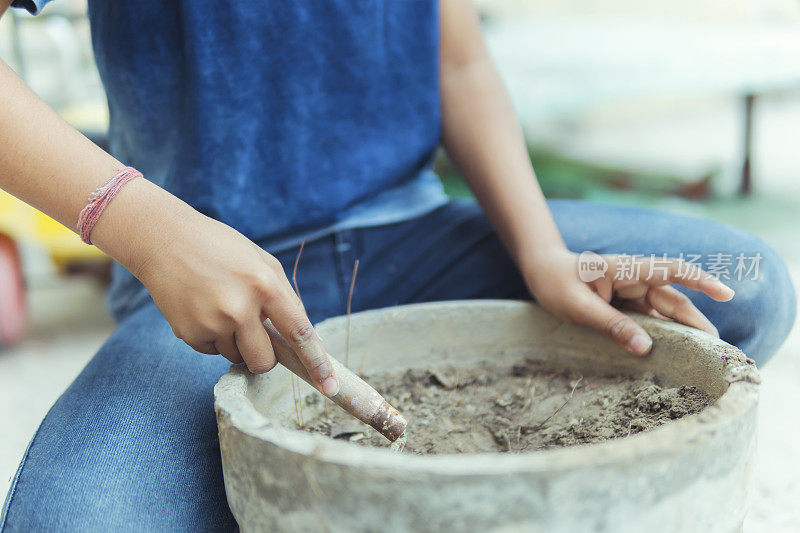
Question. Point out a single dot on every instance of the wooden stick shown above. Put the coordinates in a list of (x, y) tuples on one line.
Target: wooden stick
[(355, 395)]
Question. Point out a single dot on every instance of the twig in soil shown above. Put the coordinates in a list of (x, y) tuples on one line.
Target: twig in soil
[(294, 398), (560, 407), (300, 401), (296, 395), (349, 304)]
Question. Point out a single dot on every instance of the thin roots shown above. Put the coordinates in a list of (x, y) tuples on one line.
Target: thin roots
[(349, 306), (296, 395), (294, 269), (300, 401), (560, 407)]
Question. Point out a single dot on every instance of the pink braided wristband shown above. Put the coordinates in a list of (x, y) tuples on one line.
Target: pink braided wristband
[(100, 198)]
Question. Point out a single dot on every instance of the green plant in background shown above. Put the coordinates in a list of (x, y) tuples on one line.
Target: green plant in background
[(564, 177)]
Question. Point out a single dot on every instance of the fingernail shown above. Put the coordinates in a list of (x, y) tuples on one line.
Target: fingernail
[(330, 387), (640, 344), (728, 291)]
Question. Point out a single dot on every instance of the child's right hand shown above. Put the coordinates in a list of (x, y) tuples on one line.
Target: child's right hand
[(213, 285), (216, 287)]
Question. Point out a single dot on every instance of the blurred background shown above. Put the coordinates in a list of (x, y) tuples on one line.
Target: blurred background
[(690, 106)]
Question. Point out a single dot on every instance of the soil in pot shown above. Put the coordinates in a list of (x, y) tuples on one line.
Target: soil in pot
[(519, 407)]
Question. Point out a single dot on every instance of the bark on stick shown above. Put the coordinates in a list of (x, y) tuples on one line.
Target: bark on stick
[(355, 395)]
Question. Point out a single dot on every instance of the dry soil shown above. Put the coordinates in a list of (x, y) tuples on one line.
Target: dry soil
[(514, 408)]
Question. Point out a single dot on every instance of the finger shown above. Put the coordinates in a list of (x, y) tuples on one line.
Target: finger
[(674, 304), (207, 348), (656, 314), (640, 306), (603, 289), (700, 280), (660, 272), (255, 347), (715, 289), (619, 327), (693, 277), (630, 290), (289, 317), (226, 346)]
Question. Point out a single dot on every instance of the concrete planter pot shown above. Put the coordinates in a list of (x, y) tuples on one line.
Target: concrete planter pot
[(690, 474)]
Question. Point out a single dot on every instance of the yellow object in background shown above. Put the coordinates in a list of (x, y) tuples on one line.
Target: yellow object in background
[(23, 223)]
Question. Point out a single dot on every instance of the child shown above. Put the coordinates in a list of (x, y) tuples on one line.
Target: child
[(258, 124)]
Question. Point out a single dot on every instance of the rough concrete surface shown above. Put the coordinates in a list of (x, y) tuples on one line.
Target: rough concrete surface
[(695, 472)]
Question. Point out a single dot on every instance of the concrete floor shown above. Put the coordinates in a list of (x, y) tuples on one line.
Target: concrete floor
[(69, 321)]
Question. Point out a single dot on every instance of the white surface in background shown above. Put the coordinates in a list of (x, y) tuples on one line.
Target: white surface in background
[(776, 11), (57, 61), (777, 491), (557, 66)]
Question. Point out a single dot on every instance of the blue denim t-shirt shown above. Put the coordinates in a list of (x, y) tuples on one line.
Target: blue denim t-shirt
[(284, 119)]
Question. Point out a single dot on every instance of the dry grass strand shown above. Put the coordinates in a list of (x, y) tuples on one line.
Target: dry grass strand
[(349, 307)]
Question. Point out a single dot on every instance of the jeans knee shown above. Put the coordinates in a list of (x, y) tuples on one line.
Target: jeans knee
[(764, 307)]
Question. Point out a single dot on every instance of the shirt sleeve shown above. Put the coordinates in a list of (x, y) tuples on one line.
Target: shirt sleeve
[(34, 7)]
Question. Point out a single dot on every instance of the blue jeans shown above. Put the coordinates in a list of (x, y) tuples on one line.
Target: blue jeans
[(132, 443)]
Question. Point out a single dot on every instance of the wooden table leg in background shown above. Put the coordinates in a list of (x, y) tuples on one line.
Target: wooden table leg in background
[(746, 186)]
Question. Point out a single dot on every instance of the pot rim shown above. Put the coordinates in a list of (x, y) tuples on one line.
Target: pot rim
[(231, 402)]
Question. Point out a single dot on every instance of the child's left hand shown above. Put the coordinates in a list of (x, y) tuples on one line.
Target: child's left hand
[(556, 285)]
